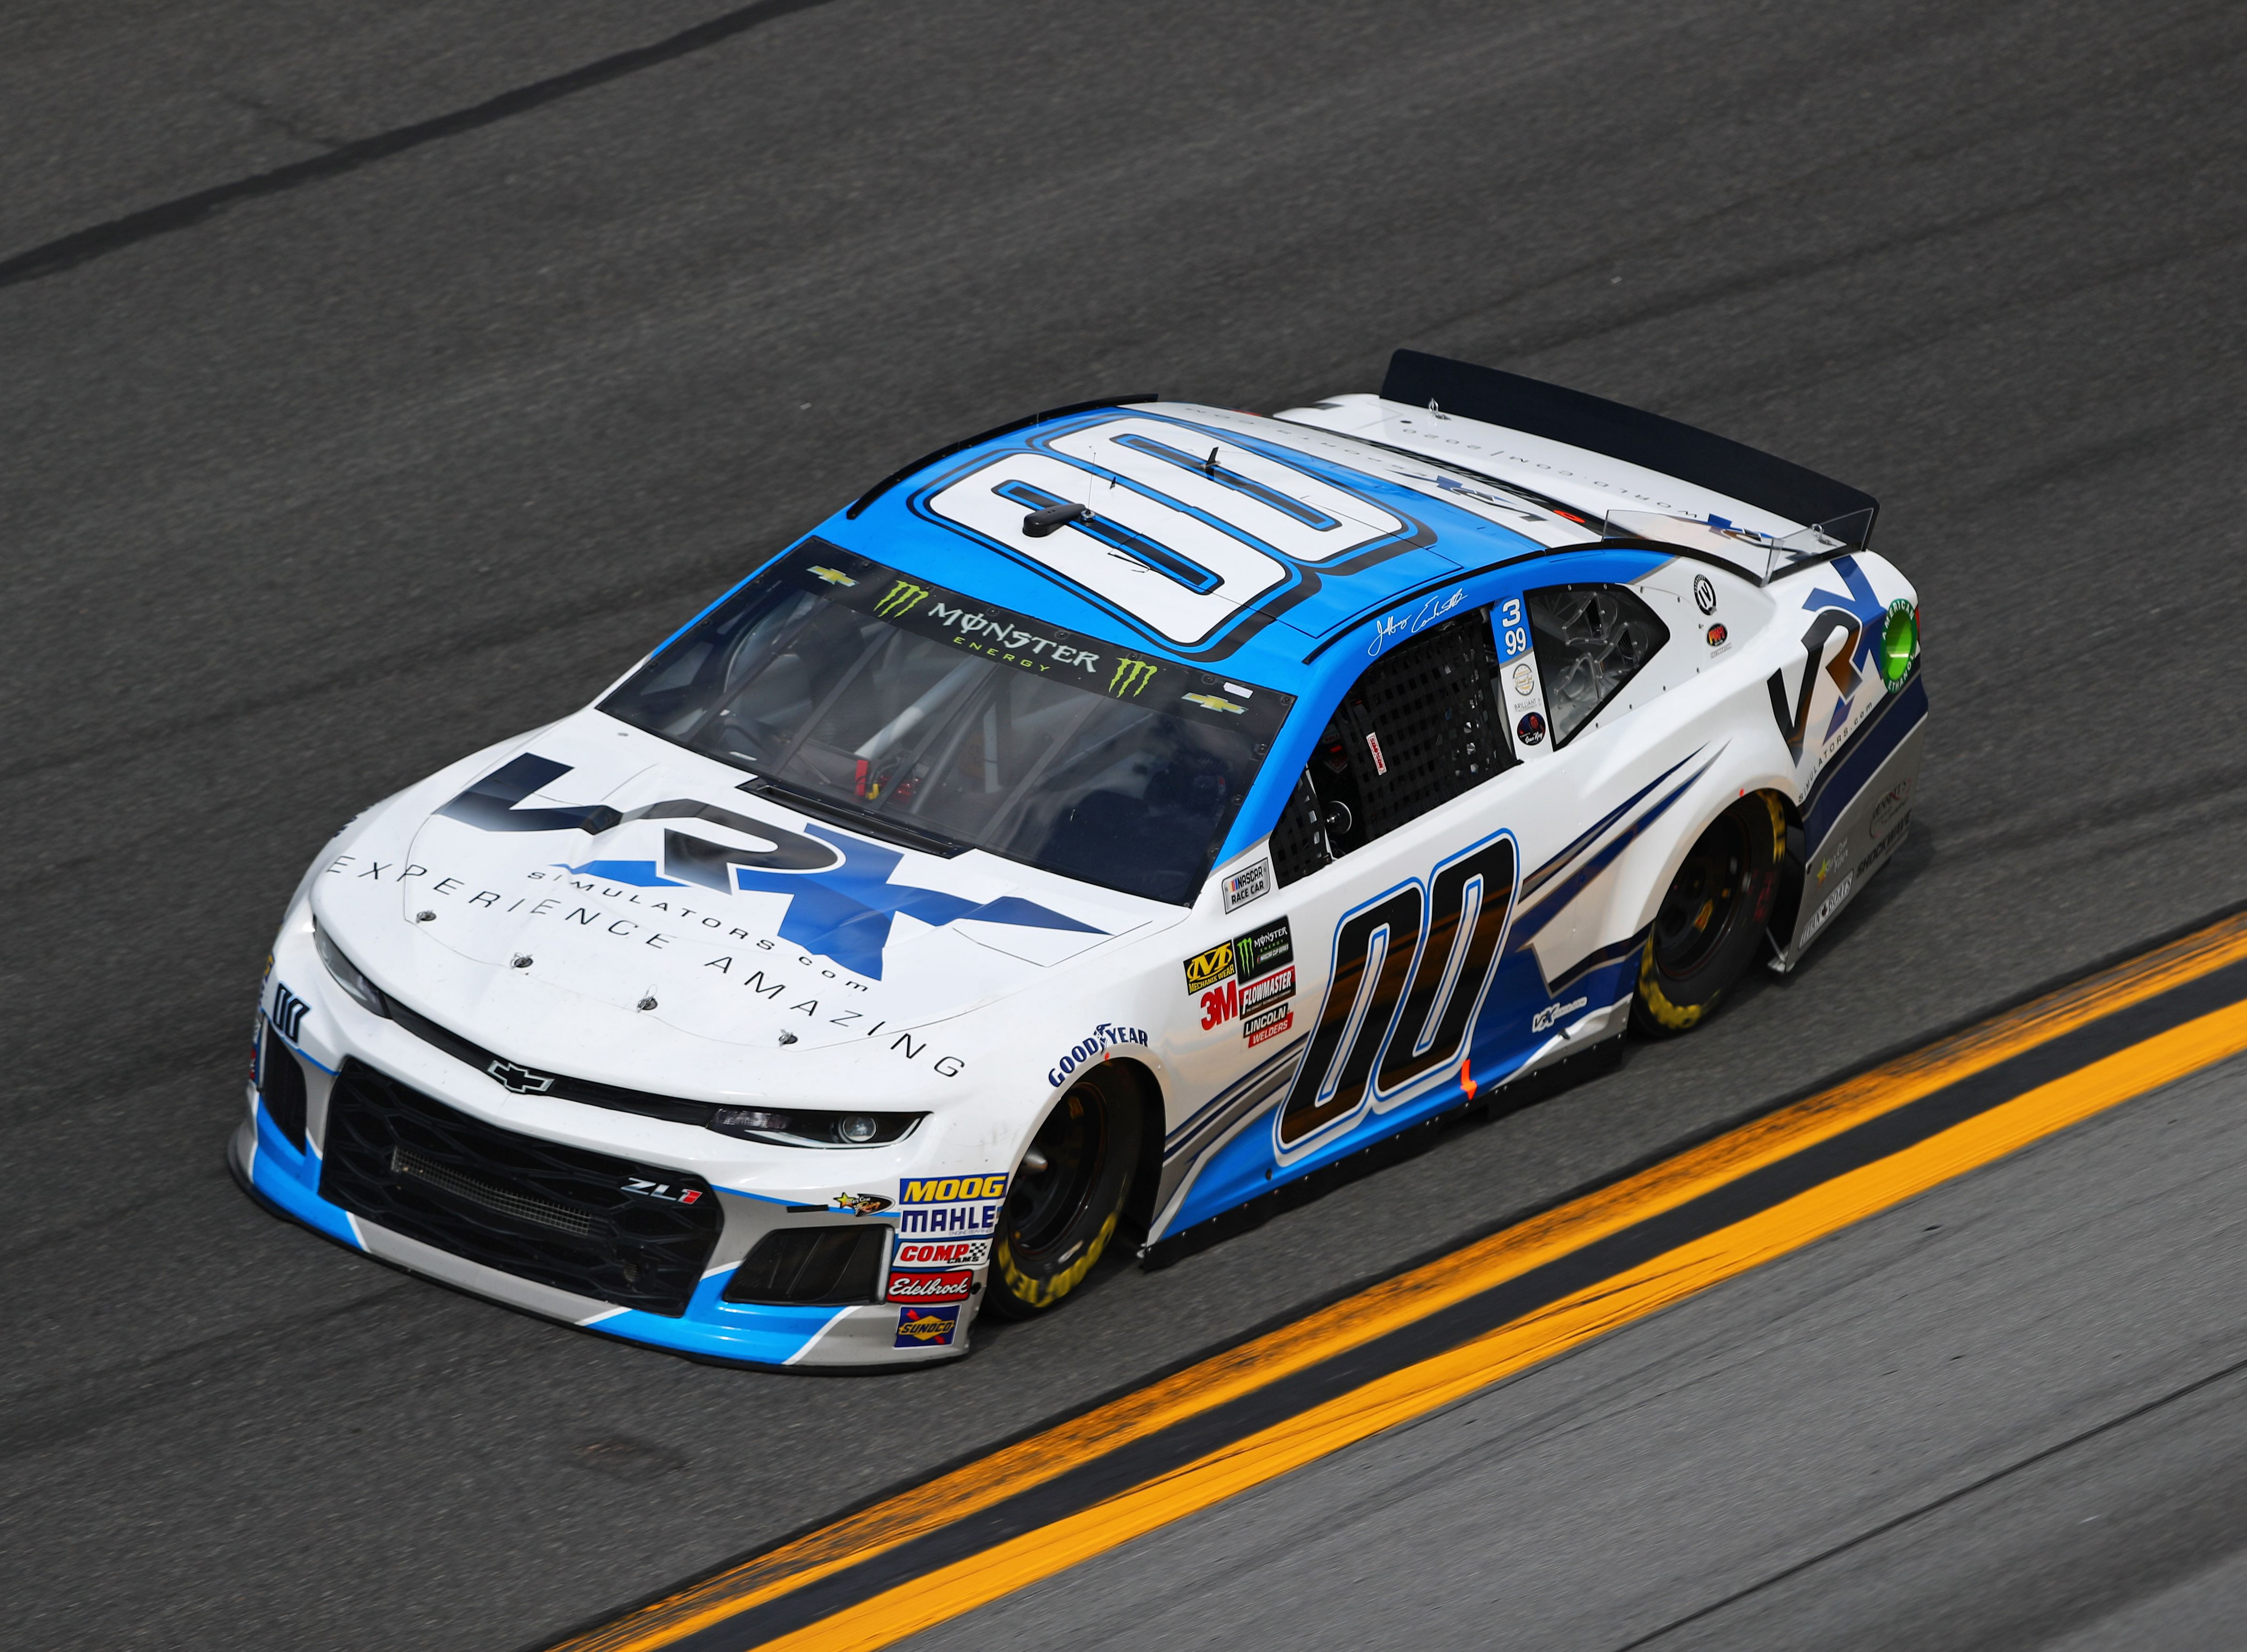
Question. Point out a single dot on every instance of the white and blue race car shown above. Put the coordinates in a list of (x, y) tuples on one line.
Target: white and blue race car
[(1098, 826)]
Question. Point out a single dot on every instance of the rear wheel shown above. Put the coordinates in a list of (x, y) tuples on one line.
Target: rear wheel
[(1058, 1219), (1711, 921)]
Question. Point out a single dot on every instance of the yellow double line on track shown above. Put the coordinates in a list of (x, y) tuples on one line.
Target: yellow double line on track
[(952, 1590)]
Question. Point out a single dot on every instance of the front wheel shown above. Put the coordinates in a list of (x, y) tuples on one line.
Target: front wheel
[(1711, 921), (1059, 1219)]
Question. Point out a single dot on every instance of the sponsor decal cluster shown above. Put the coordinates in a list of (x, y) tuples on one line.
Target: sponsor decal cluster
[(1098, 1043), (927, 1326), (1250, 883), (1250, 980), (1884, 844), (932, 1271), (951, 1206)]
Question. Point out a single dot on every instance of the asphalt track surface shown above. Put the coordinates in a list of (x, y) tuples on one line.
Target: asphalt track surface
[(377, 381), (2011, 1413)]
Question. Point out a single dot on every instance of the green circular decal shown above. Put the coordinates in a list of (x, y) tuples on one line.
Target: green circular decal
[(1899, 643)]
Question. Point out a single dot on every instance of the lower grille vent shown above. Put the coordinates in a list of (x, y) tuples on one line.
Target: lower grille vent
[(541, 1210), (811, 1264), (490, 1195), (281, 1083)]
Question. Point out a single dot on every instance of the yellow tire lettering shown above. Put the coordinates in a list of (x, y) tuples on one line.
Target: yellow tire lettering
[(1044, 1292)]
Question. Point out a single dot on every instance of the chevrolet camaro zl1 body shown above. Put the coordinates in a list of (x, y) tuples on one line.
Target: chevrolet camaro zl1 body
[(1094, 828)]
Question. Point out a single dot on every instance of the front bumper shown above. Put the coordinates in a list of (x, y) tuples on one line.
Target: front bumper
[(281, 1153)]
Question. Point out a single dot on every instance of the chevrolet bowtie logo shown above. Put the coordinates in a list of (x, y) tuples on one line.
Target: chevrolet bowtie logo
[(1131, 676), (520, 1079), (899, 598)]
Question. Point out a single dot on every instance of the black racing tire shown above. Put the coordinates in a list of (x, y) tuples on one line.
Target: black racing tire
[(1712, 919), (1057, 1223)]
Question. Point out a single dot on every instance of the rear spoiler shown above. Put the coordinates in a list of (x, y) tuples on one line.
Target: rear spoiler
[(1747, 474)]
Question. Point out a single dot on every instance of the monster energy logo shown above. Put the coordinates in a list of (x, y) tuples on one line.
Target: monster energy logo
[(1131, 676), (899, 598)]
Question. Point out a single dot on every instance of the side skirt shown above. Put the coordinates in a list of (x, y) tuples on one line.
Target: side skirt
[(1416, 1138)]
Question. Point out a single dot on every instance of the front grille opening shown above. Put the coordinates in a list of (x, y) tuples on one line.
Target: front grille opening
[(491, 1195), (636, 1235), (281, 1082), (811, 1266)]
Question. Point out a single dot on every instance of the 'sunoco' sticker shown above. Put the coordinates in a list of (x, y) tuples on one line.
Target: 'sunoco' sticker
[(927, 1326)]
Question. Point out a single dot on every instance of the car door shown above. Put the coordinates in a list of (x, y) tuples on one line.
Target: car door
[(1395, 908), (1589, 653)]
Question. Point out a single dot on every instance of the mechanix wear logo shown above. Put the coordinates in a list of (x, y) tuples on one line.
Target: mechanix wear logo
[(1131, 676), (901, 598), (1211, 967)]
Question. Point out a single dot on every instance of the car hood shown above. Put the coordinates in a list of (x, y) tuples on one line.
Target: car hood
[(593, 883)]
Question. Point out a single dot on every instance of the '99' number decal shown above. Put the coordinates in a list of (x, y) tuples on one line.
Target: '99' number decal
[(1514, 636), (1437, 950)]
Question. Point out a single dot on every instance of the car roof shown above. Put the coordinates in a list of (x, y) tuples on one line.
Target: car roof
[(1181, 486)]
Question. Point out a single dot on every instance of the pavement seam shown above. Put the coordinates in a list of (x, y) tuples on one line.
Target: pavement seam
[(184, 212)]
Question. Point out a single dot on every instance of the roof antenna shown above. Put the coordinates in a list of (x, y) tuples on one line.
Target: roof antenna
[(1431, 405), (1209, 464), (1039, 524)]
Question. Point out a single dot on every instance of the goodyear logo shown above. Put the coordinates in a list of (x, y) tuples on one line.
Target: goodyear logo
[(953, 1189), (1211, 967), (900, 598), (1130, 676)]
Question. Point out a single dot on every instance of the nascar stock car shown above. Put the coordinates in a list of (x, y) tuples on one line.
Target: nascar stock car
[(1097, 826)]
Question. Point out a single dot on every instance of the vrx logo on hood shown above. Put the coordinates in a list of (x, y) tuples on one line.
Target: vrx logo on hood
[(841, 901)]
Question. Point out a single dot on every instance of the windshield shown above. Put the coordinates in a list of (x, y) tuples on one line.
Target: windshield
[(914, 712)]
